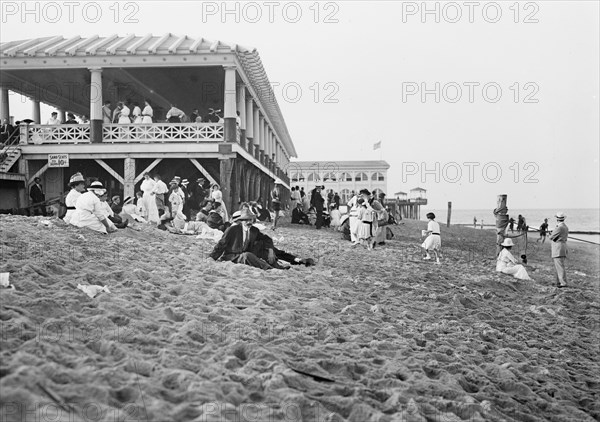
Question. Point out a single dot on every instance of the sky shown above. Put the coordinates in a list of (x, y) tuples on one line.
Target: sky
[(468, 102)]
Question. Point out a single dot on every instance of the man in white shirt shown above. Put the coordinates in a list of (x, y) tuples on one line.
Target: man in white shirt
[(53, 120), (159, 191)]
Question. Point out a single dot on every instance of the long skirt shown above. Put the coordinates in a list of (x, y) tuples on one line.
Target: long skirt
[(150, 206), (517, 271), (85, 219), (354, 222)]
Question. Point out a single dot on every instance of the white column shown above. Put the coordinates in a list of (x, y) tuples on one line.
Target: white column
[(241, 104), (35, 111), (256, 127), (4, 104), (230, 93), (96, 93), (249, 120), (261, 133)]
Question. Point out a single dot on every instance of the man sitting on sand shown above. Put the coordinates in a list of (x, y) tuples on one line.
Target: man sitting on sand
[(239, 240), (299, 217)]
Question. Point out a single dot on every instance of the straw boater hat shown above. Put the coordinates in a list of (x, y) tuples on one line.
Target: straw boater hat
[(127, 200), (278, 182), (97, 188), (185, 182), (246, 215), (173, 182), (76, 179), (507, 242), (236, 215), (560, 216)]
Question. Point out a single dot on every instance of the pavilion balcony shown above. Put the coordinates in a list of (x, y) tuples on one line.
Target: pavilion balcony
[(124, 133)]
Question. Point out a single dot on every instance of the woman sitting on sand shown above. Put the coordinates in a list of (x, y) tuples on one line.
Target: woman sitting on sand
[(77, 184), (433, 242), (507, 263), (89, 211)]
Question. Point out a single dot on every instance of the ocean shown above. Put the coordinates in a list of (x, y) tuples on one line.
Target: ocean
[(577, 219)]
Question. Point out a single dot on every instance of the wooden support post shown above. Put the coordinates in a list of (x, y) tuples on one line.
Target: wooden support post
[(129, 178), (110, 171), (449, 214), (37, 174), (225, 173), (501, 221), (146, 170), (203, 171)]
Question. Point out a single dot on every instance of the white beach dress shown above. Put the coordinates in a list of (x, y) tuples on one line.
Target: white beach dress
[(124, 116), (217, 195), (354, 221), (70, 201), (433, 241), (149, 201), (137, 115), (147, 115), (507, 264), (89, 212)]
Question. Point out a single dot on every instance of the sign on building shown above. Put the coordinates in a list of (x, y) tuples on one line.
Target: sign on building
[(58, 160)]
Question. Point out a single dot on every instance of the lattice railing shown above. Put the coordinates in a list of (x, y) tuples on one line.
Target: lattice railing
[(163, 132), (55, 134)]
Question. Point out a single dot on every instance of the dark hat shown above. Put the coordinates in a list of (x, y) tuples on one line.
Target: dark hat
[(431, 215), (364, 192)]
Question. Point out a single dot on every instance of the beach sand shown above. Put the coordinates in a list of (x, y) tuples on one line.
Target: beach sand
[(363, 336)]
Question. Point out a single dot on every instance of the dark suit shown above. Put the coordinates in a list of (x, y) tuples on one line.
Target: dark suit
[(37, 195), (5, 132), (232, 248), (317, 201)]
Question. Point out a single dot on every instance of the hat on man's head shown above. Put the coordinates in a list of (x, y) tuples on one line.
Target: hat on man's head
[(235, 215), (76, 179), (97, 187), (560, 216), (177, 178), (127, 200), (364, 192), (173, 182), (115, 197), (185, 182), (507, 242), (246, 215)]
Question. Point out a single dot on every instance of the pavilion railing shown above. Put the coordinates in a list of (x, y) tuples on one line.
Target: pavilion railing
[(162, 132), (55, 134)]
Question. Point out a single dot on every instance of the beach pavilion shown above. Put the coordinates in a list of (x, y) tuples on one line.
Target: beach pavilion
[(244, 153)]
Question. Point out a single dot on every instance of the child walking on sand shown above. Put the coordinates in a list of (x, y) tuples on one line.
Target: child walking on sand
[(365, 228)]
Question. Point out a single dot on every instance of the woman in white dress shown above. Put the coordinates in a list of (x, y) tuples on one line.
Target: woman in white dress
[(149, 199), (353, 206), (77, 184), (89, 212), (507, 264), (217, 196), (136, 113), (433, 241), (147, 113), (124, 116)]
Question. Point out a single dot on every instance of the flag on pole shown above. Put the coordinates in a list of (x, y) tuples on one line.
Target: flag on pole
[(377, 145)]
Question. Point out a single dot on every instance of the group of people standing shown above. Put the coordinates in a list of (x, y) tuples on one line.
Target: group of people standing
[(126, 113)]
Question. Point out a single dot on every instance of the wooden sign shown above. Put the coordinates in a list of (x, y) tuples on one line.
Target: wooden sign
[(58, 160)]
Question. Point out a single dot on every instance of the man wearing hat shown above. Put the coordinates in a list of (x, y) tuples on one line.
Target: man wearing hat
[(559, 249), (159, 191), (186, 196), (36, 193), (77, 185), (89, 212), (239, 240)]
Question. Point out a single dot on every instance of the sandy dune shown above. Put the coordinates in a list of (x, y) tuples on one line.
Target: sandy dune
[(363, 336)]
